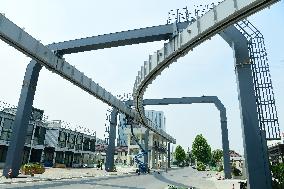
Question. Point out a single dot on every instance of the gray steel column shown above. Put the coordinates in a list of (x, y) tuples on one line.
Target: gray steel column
[(23, 114), (226, 154), (109, 165), (146, 146), (256, 160), (225, 140), (169, 155), (266, 155)]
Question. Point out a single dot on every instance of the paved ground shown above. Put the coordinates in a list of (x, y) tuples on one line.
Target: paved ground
[(186, 177), (65, 173)]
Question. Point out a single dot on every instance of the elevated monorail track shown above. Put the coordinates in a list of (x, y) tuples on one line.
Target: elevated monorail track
[(220, 17)]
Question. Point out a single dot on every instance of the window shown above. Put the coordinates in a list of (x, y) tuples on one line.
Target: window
[(86, 144), (3, 153), (5, 135), (30, 129), (62, 137), (8, 123)]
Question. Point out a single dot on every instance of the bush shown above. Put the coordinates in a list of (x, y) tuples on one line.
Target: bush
[(181, 164), (32, 168), (220, 168), (235, 170), (278, 175), (201, 166), (175, 163)]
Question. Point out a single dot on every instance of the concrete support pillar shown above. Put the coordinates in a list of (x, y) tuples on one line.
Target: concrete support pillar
[(157, 159), (42, 156), (109, 165), (256, 158), (23, 114), (153, 158), (163, 162), (54, 157), (169, 155), (64, 158)]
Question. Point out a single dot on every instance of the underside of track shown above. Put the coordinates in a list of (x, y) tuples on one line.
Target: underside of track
[(220, 17)]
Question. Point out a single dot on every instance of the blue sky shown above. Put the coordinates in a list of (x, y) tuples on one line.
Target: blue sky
[(207, 70)]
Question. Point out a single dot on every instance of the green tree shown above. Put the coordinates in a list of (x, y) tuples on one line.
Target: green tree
[(216, 156), (179, 154), (201, 150)]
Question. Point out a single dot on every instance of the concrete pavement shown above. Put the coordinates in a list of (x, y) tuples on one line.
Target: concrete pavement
[(185, 177)]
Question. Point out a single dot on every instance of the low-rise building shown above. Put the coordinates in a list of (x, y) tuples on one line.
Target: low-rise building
[(48, 142), (276, 153), (276, 150), (157, 146)]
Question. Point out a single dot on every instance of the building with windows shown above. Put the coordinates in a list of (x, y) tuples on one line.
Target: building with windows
[(48, 142), (157, 117), (157, 155), (276, 150)]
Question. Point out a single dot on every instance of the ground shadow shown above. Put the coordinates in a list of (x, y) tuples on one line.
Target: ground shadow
[(67, 183), (168, 181)]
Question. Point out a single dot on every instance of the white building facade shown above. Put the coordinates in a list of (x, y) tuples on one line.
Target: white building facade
[(157, 146)]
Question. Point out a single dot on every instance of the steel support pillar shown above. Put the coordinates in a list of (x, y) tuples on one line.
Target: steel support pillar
[(169, 155), (225, 139), (257, 170), (23, 114), (146, 148), (109, 165)]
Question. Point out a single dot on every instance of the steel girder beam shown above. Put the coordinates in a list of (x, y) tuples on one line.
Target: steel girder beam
[(130, 37), (22, 41), (202, 99), (254, 142)]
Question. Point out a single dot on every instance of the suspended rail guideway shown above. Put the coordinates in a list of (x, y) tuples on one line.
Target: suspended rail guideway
[(220, 17)]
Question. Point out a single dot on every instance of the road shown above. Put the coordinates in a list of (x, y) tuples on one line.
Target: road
[(186, 177)]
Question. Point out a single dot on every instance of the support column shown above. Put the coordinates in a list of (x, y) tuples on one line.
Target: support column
[(256, 159), (42, 156), (23, 114), (153, 158), (226, 153), (225, 140), (109, 165), (64, 162), (54, 157), (162, 162), (169, 155), (146, 147)]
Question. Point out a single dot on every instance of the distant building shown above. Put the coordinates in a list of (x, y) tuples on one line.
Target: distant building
[(276, 150), (238, 161), (157, 117), (157, 145), (276, 153)]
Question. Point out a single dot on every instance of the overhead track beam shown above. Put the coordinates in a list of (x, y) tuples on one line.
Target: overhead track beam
[(130, 37), (22, 41)]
